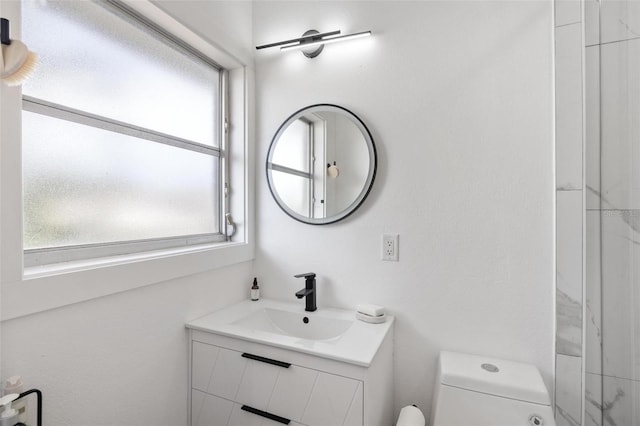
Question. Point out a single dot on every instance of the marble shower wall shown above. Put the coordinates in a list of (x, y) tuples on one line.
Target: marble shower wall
[(612, 64), (569, 212)]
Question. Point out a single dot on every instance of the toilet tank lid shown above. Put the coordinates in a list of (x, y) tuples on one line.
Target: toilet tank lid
[(493, 376)]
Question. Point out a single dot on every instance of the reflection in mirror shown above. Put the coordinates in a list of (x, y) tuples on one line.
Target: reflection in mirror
[(321, 164)]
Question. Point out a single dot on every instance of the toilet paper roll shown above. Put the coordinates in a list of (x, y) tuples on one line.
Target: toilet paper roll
[(410, 416)]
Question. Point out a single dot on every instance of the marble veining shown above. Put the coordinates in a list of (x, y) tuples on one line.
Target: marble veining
[(564, 418), (568, 380), (569, 211), (592, 124), (624, 23), (595, 324), (601, 412), (569, 187), (593, 348), (593, 400), (620, 294), (593, 300), (629, 216), (619, 20), (592, 22), (612, 296), (632, 218), (608, 407), (593, 191), (612, 401), (619, 406), (567, 12), (569, 175), (569, 325), (620, 89)]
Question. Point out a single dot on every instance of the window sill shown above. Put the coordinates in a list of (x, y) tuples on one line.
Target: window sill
[(84, 280)]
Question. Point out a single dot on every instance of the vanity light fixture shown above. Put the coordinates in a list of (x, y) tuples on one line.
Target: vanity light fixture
[(312, 42)]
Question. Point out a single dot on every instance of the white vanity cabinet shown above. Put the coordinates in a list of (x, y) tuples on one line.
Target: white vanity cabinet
[(235, 382)]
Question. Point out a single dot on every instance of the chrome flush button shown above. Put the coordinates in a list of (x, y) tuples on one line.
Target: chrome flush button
[(490, 368), (535, 420)]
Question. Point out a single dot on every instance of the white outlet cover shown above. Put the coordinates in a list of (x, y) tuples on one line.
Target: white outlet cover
[(390, 247)]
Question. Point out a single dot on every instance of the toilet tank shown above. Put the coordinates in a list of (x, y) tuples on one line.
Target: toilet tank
[(482, 391)]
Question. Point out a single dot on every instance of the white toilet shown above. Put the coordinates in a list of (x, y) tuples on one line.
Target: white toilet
[(480, 391)]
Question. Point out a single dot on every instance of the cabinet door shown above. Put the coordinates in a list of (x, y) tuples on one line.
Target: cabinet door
[(303, 395), (335, 400), (209, 410), (300, 394), (216, 371), (355, 416), (203, 359), (291, 392), (257, 383)]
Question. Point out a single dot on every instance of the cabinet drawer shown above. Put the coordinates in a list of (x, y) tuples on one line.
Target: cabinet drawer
[(301, 394), (210, 410)]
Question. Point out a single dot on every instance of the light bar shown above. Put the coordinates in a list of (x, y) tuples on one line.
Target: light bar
[(314, 38), (325, 40), (307, 37)]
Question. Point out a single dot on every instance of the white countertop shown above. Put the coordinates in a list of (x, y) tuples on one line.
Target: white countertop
[(358, 345)]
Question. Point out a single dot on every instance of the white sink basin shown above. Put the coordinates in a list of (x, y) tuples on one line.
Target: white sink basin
[(296, 324), (329, 333)]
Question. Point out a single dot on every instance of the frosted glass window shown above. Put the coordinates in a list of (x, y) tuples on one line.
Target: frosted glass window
[(121, 136), (293, 148), (84, 185), (294, 191), (91, 59)]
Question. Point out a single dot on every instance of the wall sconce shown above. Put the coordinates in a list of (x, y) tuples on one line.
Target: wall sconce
[(16, 62), (312, 42), (333, 171)]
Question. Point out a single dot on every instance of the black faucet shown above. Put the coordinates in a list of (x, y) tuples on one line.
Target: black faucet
[(309, 290)]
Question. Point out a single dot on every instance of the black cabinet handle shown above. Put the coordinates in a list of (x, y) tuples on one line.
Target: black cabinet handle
[(269, 416), (267, 360)]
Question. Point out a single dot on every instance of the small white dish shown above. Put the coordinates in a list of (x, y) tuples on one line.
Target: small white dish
[(373, 320)]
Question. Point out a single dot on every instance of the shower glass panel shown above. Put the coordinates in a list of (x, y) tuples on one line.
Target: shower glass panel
[(612, 321)]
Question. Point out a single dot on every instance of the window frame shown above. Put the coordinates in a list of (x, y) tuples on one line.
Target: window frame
[(58, 254), (31, 290), (311, 161)]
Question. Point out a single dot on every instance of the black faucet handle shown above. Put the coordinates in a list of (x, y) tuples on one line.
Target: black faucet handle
[(306, 276), (309, 291)]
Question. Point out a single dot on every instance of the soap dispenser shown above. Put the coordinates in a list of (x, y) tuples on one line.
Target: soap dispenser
[(14, 384), (9, 416), (255, 290)]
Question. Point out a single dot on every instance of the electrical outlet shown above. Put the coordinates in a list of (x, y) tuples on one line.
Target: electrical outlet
[(390, 247)]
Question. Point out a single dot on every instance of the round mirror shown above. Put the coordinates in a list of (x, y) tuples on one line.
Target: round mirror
[(321, 164)]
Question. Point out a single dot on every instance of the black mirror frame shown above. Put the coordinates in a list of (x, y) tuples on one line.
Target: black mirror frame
[(373, 165)]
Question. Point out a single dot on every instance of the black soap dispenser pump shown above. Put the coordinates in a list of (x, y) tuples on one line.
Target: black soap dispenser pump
[(255, 290), (9, 416)]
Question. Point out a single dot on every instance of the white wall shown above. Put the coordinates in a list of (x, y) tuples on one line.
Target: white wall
[(122, 359), (458, 97), (225, 23)]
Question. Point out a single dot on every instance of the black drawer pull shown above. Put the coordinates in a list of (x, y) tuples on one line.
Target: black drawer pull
[(269, 416), (267, 360)]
